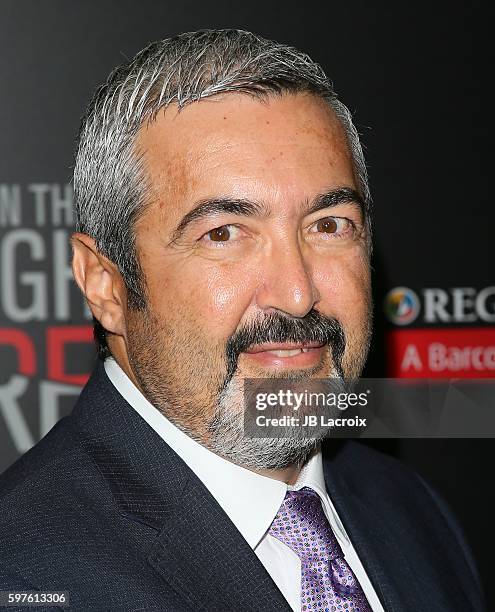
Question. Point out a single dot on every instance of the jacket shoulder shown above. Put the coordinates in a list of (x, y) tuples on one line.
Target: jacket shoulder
[(56, 446), (49, 484), (400, 496)]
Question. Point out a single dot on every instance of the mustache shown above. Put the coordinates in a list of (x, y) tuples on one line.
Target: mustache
[(278, 328)]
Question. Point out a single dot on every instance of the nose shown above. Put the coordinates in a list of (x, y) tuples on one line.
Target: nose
[(287, 284)]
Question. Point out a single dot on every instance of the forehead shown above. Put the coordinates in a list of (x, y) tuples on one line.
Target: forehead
[(281, 149)]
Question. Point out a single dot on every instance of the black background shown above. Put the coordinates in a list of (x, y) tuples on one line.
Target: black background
[(416, 78)]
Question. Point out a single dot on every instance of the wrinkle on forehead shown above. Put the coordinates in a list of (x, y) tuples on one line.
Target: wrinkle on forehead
[(238, 142)]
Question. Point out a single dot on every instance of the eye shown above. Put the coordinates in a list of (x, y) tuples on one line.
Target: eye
[(337, 227), (224, 233)]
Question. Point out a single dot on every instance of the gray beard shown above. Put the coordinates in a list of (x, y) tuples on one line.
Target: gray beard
[(227, 437)]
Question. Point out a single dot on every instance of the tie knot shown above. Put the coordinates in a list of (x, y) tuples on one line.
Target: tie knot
[(301, 524)]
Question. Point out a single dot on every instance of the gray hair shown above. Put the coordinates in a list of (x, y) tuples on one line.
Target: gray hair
[(110, 184)]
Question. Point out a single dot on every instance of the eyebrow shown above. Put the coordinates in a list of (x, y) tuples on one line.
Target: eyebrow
[(211, 207), (335, 197), (248, 208)]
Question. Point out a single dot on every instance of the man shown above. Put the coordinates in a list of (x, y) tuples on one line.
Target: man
[(223, 234)]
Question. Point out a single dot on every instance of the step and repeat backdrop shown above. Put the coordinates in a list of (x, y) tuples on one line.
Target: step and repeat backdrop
[(415, 77)]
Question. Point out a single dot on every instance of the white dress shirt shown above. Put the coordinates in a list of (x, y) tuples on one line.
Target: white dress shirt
[(250, 500)]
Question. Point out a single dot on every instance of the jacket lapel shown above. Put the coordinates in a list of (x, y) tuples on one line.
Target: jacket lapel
[(201, 551), (195, 548), (401, 556)]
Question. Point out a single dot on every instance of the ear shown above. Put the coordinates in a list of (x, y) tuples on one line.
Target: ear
[(101, 282)]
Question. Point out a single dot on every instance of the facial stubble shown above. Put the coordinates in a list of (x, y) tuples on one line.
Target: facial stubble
[(199, 387)]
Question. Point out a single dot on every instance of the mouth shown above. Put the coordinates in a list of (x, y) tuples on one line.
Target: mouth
[(286, 354)]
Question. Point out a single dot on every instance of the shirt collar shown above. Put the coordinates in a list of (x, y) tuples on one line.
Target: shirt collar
[(250, 500), (312, 475)]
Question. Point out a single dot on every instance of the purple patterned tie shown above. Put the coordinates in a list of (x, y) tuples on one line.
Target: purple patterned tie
[(327, 581)]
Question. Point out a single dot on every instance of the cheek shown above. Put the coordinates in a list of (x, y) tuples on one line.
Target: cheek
[(213, 298), (344, 288)]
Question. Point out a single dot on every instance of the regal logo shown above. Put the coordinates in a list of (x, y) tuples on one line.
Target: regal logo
[(444, 306), (449, 337), (402, 305)]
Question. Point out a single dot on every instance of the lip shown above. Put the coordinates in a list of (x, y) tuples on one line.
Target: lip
[(283, 346), (264, 355)]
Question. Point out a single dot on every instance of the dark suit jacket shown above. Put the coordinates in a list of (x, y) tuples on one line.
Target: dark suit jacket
[(104, 509)]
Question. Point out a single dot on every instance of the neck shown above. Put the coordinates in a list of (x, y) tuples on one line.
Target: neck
[(288, 475)]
